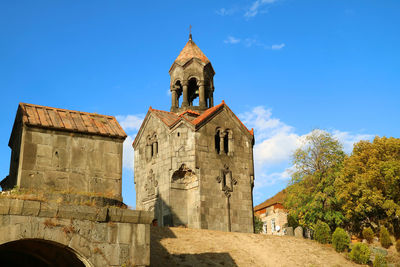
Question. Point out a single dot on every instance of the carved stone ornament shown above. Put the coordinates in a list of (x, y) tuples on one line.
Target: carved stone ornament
[(226, 180), (151, 184)]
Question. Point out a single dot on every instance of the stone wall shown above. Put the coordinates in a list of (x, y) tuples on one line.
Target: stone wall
[(100, 236), (57, 160), (167, 198), (280, 218), (215, 213)]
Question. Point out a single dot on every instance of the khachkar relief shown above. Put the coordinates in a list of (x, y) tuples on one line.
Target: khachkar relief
[(151, 191), (227, 182)]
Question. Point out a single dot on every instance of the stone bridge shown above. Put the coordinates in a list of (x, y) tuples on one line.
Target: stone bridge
[(40, 233)]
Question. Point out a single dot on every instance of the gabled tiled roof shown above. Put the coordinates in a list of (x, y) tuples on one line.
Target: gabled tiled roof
[(191, 50), (191, 112), (207, 113), (277, 199), (69, 120), (170, 119)]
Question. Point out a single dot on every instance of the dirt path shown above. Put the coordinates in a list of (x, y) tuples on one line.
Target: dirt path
[(194, 247)]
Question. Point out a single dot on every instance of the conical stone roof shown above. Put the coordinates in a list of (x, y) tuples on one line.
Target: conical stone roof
[(191, 50)]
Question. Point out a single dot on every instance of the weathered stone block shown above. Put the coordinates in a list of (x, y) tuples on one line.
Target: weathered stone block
[(16, 206), (48, 209), (298, 232), (30, 208), (4, 206)]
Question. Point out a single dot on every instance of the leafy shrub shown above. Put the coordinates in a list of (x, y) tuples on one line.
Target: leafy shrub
[(384, 237), (322, 233), (398, 245), (360, 253), (368, 234), (340, 240), (258, 225), (380, 260)]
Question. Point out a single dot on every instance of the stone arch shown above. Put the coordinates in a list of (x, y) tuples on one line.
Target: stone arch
[(34, 252), (193, 90)]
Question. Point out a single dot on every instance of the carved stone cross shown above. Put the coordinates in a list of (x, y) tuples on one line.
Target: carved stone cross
[(226, 180), (151, 184)]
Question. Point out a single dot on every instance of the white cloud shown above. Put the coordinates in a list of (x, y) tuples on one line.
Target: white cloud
[(226, 11), (268, 179), (251, 42), (254, 9), (347, 139), (277, 46), (128, 153), (275, 143), (231, 40), (130, 122)]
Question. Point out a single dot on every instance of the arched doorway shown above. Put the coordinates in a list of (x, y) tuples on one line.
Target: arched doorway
[(38, 253)]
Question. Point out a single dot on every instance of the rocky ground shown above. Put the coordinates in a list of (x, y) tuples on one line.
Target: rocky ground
[(193, 247)]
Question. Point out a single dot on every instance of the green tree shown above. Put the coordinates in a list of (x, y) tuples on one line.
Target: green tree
[(369, 186), (258, 224), (311, 195)]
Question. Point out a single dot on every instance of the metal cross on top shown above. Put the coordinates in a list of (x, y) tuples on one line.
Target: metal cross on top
[(190, 32)]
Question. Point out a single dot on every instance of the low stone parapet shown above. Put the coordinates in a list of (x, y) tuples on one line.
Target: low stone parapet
[(100, 236)]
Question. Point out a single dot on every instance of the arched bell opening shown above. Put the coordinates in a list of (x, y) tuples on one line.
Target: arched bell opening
[(39, 253), (193, 92)]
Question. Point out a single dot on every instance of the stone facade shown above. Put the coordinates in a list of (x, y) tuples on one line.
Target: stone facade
[(273, 214), (194, 165), (62, 203), (274, 221)]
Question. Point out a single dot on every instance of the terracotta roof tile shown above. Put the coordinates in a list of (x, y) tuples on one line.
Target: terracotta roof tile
[(69, 120), (190, 112), (191, 50), (278, 198), (169, 118), (207, 113)]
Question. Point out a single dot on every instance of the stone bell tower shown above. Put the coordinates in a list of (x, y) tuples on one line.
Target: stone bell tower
[(194, 164), (191, 77)]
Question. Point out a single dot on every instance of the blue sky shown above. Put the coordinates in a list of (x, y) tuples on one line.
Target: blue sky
[(285, 67)]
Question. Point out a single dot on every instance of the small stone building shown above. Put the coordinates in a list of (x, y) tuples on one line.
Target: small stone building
[(61, 203), (273, 214), (194, 163)]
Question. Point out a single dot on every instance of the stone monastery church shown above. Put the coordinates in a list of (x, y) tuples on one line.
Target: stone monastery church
[(61, 203), (194, 164)]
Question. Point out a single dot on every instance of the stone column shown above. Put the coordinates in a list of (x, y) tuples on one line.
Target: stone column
[(221, 142), (185, 100), (211, 97), (174, 97), (202, 95), (230, 143), (155, 148)]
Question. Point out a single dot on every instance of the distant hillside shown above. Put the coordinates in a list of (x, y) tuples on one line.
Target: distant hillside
[(192, 247)]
